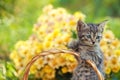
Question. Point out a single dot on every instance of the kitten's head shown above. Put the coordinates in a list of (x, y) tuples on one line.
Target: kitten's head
[(90, 34)]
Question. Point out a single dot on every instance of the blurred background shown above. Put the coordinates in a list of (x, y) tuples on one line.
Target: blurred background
[(17, 18)]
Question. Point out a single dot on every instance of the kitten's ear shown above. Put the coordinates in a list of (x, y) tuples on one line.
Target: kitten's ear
[(80, 25), (102, 24)]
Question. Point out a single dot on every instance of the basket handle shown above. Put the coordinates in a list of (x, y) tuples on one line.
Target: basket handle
[(54, 51)]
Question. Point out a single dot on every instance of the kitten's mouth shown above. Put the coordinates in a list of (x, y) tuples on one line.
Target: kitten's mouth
[(88, 44), (91, 44)]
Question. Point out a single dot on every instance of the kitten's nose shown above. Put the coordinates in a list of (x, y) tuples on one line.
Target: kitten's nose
[(93, 42)]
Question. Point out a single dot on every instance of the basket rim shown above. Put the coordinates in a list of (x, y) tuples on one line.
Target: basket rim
[(55, 51)]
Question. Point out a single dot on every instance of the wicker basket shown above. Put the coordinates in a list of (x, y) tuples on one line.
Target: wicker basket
[(55, 51)]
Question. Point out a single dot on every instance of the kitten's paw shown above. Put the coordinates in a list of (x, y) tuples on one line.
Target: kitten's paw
[(73, 44)]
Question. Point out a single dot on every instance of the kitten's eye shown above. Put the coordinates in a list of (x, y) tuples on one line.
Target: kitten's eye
[(88, 36), (98, 37)]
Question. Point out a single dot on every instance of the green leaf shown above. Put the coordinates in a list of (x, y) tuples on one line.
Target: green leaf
[(74, 34)]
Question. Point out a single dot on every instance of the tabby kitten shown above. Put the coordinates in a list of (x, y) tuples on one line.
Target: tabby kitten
[(87, 45)]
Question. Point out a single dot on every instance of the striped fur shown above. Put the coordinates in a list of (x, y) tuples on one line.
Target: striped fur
[(87, 45)]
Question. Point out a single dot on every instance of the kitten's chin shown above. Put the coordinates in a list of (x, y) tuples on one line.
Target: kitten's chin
[(91, 45), (88, 44)]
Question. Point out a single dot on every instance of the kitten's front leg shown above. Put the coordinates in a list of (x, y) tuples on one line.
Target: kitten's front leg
[(73, 45)]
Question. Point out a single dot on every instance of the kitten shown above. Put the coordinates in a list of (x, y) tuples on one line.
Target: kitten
[(87, 45)]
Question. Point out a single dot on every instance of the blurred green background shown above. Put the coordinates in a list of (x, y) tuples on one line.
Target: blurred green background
[(17, 18)]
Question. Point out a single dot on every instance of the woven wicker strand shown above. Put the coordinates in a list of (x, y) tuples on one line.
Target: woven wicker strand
[(55, 51)]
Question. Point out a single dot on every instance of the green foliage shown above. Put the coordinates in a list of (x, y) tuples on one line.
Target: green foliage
[(18, 26), (7, 7), (115, 76), (61, 76), (92, 8), (7, 71), (114, 25), (11, 30), (74, 34)]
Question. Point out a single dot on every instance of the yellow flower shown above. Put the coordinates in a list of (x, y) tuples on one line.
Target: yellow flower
[(108, 35), (114, 64), (69, 57), (114, 60), (72, 23), (53, 13), (64, 70), (107, 67), (48, 8), (61, 10), (49, 37), (47, 69), (104, 48), (59, 41), (51, 75), (28, 57), (117, 52), (115, 68), (53, 63), (20, 43), (71, 67), (33, 69), (107, 70), (61, 61), (47, 44), (23, 50), (17, 60), (41, 32), (13, 54), (116, 43), (40, 63), (103, 42), (55, 33), (20, 71), (66, 38), (79, 15)]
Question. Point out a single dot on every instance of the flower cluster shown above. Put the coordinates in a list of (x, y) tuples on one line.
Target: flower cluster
[(54, 29), (54, 26), (111, 49)]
